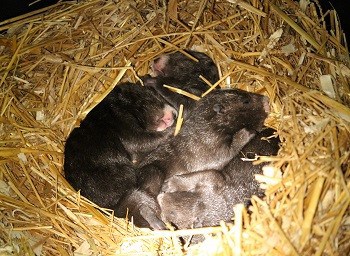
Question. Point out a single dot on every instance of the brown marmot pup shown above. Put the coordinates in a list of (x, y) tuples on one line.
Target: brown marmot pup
[(126, 125), (219, 126), (204, 198), (180, 71)]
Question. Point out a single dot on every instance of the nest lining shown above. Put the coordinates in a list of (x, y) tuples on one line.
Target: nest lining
[(58, 63)]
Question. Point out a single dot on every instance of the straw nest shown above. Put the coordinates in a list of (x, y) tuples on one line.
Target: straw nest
[(58, 63)]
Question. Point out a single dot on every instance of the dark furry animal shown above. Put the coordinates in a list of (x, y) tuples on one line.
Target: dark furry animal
[(220, 125), (182, 68), (180, 71), (202, 199), (129, 123)]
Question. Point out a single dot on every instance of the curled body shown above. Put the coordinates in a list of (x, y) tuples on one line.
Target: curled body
[(205, 198), (124, 127), (219, 126), (101, 154)]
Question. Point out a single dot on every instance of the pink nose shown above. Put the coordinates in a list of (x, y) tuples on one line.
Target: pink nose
[(168, 119)]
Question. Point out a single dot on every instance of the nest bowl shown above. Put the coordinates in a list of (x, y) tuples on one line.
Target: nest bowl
[(57, 63)]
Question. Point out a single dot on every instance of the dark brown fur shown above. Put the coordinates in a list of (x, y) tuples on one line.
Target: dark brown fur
[(124, 127), (129, 123), (220, 125), (204, 198), (182, 68), (179, 71)]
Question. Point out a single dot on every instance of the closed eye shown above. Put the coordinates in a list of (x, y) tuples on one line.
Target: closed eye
[(246, 101)]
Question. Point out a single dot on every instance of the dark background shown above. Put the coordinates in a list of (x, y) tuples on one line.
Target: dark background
[(12, 8), (342, 8)]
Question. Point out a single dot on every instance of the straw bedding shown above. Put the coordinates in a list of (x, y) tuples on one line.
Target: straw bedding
[(58, 63)]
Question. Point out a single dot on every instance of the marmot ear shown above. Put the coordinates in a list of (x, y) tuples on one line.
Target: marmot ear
[(218, 108), (197, 223), (149, 81)]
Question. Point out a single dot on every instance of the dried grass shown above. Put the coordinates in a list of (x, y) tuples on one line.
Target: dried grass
[(56, 65)]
